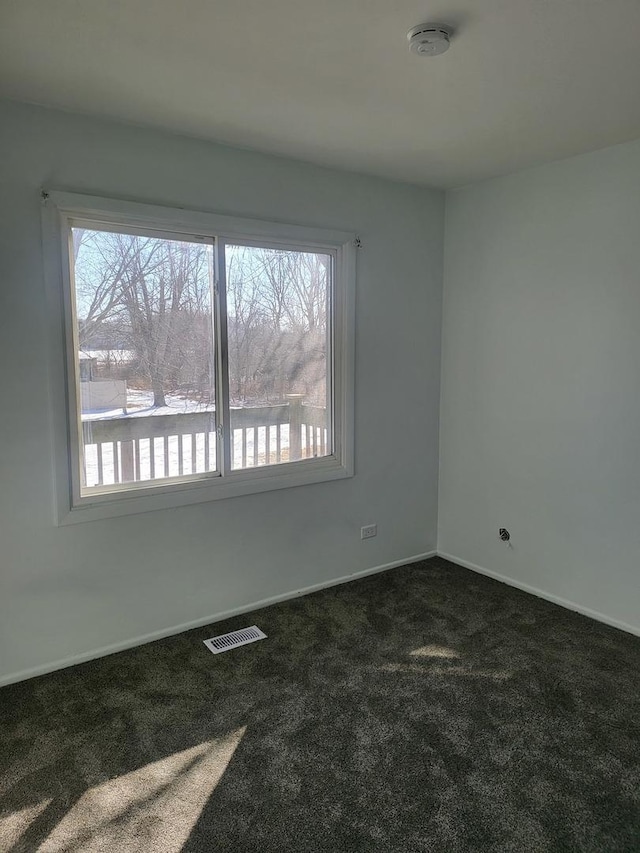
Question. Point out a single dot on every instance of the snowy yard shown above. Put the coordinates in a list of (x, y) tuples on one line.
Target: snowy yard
[(140, 405)]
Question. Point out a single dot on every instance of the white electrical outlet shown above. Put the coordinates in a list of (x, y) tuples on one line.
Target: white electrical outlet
[(369, 531)]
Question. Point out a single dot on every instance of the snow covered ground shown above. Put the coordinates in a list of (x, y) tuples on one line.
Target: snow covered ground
[(140, 405)]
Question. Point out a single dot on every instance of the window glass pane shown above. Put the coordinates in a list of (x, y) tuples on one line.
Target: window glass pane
[(144, 357), (279, 367)]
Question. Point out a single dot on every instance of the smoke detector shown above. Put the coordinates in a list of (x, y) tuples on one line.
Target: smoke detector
[(429, 39)]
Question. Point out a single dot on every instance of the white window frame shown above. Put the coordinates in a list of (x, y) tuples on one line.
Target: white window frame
[(59, 210)]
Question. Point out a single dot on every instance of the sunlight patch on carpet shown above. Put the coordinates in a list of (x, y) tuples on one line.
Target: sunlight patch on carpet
[(457, 671), (434, 652), (14, 825), (152, 808)]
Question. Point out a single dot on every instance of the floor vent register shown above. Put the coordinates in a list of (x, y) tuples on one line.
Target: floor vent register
[(226, 642)]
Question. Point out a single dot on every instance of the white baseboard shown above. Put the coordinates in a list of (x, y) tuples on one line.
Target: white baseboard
[(206, 620), (540, 593)]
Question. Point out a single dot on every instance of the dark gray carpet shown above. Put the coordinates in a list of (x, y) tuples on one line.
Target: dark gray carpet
[(424, 709)]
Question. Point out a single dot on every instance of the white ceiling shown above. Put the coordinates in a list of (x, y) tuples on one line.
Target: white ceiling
[(333, 81)]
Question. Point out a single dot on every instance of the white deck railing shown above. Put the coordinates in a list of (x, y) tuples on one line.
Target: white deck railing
[(133, 449)]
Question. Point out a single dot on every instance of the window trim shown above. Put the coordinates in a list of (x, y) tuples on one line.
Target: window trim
[(59, 208)]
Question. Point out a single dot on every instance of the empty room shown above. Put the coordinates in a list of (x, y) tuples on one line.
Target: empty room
[(320, 426)]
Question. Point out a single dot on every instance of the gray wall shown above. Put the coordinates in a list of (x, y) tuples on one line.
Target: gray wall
[(540, 425), (70, 591)]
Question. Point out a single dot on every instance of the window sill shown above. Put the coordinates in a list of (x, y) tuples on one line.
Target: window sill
[(185, 493)]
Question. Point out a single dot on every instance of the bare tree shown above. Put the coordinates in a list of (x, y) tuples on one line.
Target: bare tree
[(277, 301), (154, 294), (154, 291)]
